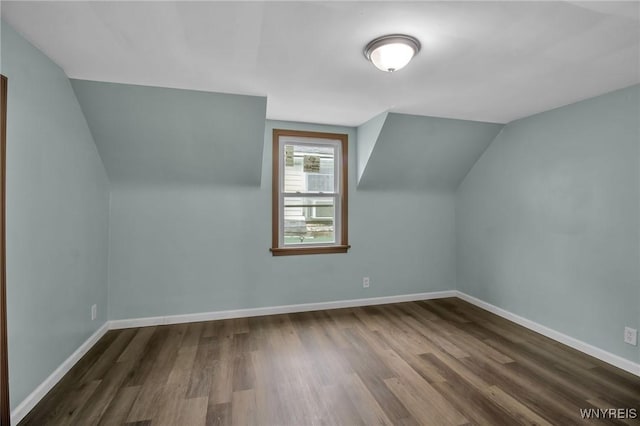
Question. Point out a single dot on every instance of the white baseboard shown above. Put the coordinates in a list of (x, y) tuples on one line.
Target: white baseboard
[(30, 401), (601, 354), (274, 310)]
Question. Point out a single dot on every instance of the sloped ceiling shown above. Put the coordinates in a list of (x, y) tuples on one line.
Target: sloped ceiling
[(151, 135), (413, 152), (367, 137)]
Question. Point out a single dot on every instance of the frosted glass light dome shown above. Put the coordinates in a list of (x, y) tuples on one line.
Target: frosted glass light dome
[(392, 52)]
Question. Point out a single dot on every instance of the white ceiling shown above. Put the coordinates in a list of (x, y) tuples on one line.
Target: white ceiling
[(486, 61)]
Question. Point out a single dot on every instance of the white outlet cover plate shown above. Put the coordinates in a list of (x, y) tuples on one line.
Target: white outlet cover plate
[(631, 336)]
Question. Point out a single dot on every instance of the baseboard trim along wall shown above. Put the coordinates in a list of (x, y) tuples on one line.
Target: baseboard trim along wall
[(274, 310), (30, 401), (601, 354), (27, 405)]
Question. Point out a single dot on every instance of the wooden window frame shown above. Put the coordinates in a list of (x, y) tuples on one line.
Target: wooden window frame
[(340, 246), (5, 413)]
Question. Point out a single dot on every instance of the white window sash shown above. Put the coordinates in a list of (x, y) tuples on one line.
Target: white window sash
[(336, 195)]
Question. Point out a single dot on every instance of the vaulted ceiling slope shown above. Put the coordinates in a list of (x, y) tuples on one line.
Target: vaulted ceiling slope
[(493, 61), (152, 135), (410, 152)]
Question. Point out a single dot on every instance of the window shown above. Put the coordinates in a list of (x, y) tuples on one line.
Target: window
[(309, 209)]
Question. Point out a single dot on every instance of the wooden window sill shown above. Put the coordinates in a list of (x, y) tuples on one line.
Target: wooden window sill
[(292, 251)]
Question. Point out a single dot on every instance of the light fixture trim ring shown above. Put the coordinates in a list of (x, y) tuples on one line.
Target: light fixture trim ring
[(410, 41)]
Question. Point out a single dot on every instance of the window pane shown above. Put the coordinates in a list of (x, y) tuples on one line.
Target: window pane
[(309, 220), (308, 168)]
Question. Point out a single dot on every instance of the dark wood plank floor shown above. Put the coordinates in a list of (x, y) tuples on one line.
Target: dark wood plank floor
[(433, 362)]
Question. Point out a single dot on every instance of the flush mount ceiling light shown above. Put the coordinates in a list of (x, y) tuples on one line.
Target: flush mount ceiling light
[(392, 52)]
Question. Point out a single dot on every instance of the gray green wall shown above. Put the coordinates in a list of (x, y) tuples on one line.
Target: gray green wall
[(422, 154), (368, 134), (186, 249), (57, 218), (547, 221), (159, 136)]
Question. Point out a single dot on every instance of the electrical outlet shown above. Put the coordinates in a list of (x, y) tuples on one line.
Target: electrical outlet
[(365, 282), (94, 312), (631, 336)]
